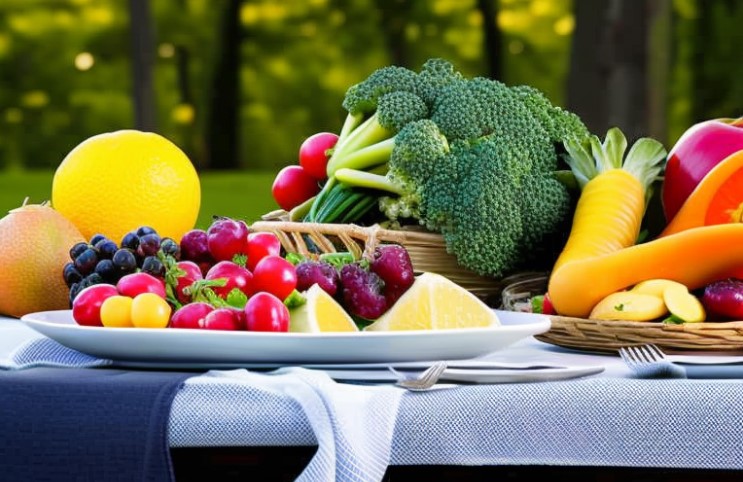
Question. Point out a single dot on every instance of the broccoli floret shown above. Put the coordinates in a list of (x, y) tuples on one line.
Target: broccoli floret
[(471, 109), (559, 123), (372, 142), (474, 205), (493, 215), (434, 75), (363, 98)]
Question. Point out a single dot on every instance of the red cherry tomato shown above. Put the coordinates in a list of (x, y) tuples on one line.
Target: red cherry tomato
[(193, 273), (260, 245), (275, 275), (265, 312), (293, 186), (86, 308), (190, 315), (237, 277), (135, 284), (313, 154)]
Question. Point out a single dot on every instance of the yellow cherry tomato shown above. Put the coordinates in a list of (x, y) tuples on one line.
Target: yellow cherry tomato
[(150, 310), (116, 311)]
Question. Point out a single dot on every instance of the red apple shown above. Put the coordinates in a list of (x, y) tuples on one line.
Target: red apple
[(696, 152)]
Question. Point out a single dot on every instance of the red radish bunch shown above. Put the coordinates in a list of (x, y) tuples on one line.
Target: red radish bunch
[(298, 183)]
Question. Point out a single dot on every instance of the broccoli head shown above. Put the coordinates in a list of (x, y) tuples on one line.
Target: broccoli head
[(363, 98)]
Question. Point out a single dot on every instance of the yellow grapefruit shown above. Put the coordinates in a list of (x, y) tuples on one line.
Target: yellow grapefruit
[(36, 242), (115, 182), (321, 313), (434, 302)]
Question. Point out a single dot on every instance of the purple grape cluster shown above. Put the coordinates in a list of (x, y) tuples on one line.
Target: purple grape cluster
[(102, 260), (365, 289)]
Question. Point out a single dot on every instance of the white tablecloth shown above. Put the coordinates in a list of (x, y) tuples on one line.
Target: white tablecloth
[(610, 419)]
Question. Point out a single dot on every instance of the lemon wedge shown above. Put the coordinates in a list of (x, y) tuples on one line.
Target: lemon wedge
[(434, 302), (321, 313)]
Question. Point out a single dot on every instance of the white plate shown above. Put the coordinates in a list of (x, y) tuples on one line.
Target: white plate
[(198, 347)]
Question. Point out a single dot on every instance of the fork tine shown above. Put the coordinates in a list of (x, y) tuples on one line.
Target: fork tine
[(424, 380), (658, 353)]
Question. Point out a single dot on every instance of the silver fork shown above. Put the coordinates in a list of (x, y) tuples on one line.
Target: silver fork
[(648, 361), (420, 380)]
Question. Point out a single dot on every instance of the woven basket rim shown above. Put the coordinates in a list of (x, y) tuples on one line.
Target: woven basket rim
[(427, 249), (609, 336)]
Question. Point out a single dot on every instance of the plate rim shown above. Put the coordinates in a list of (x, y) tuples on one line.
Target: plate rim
[(265, 347)]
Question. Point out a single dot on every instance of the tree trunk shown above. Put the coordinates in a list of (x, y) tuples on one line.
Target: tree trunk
[(607, 83), (143, 42), (660, 31), (224, 101), (492, 39), (394, 16)]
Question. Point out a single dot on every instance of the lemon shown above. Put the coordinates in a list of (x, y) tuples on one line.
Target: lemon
[(115, 182), (434, 302), (321, 313)]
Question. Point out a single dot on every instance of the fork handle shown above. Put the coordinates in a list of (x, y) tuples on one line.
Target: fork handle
[(713, 372)]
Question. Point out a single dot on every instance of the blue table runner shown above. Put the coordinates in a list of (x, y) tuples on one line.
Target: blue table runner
[(86, 424)]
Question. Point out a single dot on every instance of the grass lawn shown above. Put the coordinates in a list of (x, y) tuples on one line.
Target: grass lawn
[(238, 194)]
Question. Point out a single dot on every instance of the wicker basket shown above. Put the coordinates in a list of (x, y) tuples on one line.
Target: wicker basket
[(427, 250), (609, 336)]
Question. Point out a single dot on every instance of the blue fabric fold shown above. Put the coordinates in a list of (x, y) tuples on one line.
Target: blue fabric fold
[(86, 424)]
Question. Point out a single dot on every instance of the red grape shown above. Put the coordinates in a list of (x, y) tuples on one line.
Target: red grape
[(227, 237), (392, 263), (362, 292), (312, 272), (134, 284), (195, 247)]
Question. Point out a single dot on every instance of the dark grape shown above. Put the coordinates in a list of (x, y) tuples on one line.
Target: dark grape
[(97, 238), (393, 264), (78, 249), (106, 249), (86, 261), (144, 230), (107, 270), (149, 244), (317, 272), (153, 266), (93, 279), (71, 274), (362, 292), (125, 260), (171, 248), (195, 247), (130, 241), (74, 290)]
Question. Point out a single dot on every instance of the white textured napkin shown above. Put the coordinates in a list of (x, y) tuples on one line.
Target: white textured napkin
[(353, 424), (45, 352)]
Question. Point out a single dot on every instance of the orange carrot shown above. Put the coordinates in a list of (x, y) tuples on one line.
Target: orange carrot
[(577, 286), (609, 212), (717, 199)]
